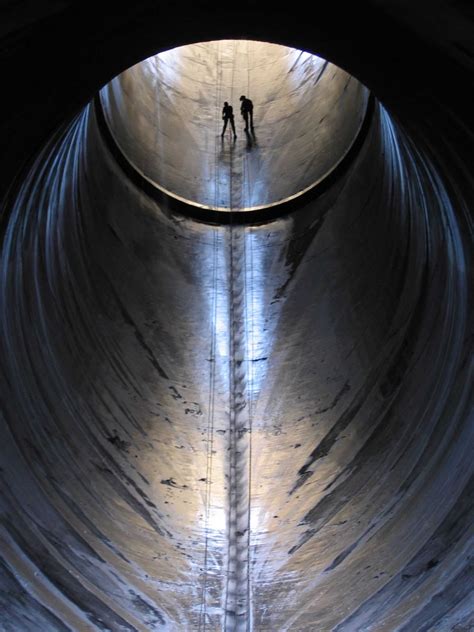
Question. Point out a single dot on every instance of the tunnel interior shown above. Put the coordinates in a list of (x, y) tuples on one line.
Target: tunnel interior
[(226, 420), (164, 114)]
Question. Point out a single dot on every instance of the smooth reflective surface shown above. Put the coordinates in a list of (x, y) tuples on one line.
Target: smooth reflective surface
[(233, 428), (165, 115)]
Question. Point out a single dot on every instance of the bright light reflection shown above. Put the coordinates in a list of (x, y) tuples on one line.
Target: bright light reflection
[(216, 520), (165, 114)]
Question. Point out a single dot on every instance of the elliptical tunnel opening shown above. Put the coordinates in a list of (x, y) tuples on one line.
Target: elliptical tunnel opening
[(164, 116)]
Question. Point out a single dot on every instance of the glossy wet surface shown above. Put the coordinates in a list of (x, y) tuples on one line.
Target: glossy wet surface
[(165, 114), (217, 427)]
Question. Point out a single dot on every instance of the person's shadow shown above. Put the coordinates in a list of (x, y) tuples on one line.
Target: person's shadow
[(251, 139), (226, 151)]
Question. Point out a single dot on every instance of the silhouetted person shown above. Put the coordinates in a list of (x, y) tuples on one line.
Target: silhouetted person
[(228, 115), (246, 109)]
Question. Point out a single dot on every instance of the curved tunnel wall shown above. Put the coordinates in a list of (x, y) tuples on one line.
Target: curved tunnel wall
[(165, 115), (380, 482), (118, 402)]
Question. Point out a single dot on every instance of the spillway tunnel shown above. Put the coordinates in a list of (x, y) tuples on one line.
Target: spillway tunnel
[(236, 388)]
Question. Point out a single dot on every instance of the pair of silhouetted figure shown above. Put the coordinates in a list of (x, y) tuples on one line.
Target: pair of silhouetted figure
[(246, 109)]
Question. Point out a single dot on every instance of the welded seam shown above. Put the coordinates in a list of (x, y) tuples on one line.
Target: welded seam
[(237, 605), (237, 577)]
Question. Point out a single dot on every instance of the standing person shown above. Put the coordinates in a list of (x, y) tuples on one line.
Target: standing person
[(246, 109), (228, 115)]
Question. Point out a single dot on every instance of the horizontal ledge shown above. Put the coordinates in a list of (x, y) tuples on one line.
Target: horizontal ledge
[(169, 202)]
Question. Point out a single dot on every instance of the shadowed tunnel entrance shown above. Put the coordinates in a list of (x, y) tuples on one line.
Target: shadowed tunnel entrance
[(261, 425)]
